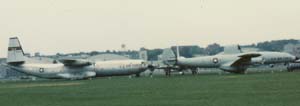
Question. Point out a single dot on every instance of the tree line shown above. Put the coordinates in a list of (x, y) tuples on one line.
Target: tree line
[(194, 50)]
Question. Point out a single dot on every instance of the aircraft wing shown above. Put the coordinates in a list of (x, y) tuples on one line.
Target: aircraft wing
[(244, 59), (75, 62)]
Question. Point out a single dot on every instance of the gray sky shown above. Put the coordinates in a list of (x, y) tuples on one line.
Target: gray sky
[(51, 26)]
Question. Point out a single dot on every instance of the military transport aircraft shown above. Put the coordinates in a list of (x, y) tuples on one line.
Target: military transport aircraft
[(231, 60), (70, 68)]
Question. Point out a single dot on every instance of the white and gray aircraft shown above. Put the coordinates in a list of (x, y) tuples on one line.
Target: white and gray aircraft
[(231, 60), (70, 68)]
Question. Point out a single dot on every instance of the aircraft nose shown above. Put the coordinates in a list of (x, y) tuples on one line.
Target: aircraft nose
[(297, 58)]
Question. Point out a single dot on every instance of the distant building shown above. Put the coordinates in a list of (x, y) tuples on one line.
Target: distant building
[(27, 54), (37, 54)]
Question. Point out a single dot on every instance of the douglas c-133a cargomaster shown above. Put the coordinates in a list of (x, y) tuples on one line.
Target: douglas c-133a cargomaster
[(70, 68)]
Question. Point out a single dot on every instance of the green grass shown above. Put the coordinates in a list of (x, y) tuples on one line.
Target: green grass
[(261, 89)]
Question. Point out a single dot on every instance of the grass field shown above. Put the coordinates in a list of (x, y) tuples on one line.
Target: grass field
[(261, 89)]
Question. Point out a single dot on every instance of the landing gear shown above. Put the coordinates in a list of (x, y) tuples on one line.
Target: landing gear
[(290, 70), (181, 73), (138, 75), (151, 72), (241, 72), (168, 72), (194, 71)]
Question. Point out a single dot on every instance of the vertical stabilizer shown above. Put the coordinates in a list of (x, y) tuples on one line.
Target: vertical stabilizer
[(232, 49), (15, 51), (168, 57)]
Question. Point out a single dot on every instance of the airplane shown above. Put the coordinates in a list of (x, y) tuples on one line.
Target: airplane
[(232, 60), (70, 68)]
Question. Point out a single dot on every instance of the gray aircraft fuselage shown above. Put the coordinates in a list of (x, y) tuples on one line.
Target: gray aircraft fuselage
[(98, 68), (70, 68), (223, 61)]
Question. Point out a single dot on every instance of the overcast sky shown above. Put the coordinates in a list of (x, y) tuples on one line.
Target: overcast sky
[(51, 26)]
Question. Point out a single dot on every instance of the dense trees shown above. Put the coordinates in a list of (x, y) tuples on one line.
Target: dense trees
[(191, 51), (188, 51), (276, 45), (214, 49)]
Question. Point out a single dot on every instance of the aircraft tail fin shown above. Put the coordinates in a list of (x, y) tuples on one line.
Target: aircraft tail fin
[(169, 57), (15, 52), (233, 49)]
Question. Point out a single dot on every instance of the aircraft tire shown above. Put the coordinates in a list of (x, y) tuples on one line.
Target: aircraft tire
[(138, 75)]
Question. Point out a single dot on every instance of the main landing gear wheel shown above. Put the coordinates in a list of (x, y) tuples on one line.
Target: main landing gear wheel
[(194, 71), (168, 72), (151, 72), (181, 73), (138, 75)]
